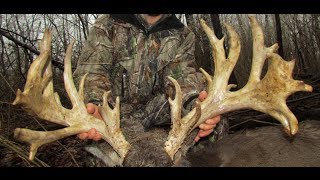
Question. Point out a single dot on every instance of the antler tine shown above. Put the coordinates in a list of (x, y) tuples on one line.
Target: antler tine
[(111, 118), (223, 65), (36, 68), (38, 138), (259, 51), (39, 86), (76, 100), (267, 95), (39, 99), (180, 126)]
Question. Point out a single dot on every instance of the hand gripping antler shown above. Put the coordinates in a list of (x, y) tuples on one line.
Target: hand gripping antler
[(267, 95), (39, 98)]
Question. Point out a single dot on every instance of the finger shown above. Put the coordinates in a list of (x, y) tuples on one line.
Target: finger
[(203, 95), (213, 120), (205, 133), (90, 108), (93, 109), (196, 139), (91, 133), (97, 137), (83, 136), (206, 127), (96, 113)]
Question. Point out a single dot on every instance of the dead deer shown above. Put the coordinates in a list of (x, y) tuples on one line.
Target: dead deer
[(262, 147), (267, 94)]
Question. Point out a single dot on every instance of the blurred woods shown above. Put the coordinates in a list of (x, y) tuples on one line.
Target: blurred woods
[(297, 34)]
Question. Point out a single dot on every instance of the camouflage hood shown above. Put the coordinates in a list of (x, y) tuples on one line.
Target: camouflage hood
[(167, 21)]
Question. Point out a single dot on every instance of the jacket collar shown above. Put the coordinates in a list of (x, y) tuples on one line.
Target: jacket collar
[(166, 22)]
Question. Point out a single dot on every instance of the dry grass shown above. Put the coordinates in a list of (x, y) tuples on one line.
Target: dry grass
[(67, 152)]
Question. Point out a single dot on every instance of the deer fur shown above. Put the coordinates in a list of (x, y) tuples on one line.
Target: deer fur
[(262, 147)]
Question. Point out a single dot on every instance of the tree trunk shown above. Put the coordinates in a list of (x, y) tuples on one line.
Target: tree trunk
[(279, 34), (84, 26), (216, 25), (189, 19)]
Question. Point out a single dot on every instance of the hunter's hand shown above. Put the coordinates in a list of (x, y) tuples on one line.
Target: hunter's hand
[(207, 127), (92, 133)]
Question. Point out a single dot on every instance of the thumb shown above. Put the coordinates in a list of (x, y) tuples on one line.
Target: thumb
[(96, 113), (203, 95), (93, 109), (90, 108)]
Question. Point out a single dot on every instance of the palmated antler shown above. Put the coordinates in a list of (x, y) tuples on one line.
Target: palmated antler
[(267, 95), (39, 98)]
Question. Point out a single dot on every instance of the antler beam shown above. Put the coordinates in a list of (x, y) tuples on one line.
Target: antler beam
[(267, 95)]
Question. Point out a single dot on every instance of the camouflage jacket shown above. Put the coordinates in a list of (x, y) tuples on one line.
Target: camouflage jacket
[(123, 55)]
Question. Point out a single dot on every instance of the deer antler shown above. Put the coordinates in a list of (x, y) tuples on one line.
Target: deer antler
[(39, 98), (267, 95)]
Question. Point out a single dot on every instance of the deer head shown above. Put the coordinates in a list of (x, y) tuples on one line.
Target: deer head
[(267, 94)]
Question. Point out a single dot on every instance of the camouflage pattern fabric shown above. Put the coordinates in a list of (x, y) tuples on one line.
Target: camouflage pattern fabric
[(132, 60)]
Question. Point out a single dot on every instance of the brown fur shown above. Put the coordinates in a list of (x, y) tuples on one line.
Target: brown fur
[(263, 147), (147, 148)]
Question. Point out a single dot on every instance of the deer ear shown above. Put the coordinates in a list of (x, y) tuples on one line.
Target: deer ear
[(105, 153)]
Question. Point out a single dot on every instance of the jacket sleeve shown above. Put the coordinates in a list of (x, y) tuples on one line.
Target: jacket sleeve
[(95, 59), (184, 69)]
